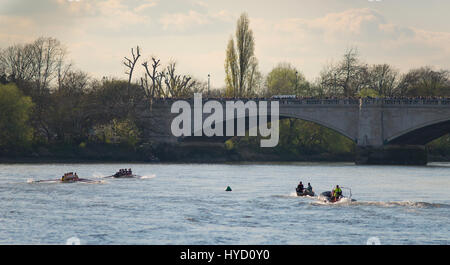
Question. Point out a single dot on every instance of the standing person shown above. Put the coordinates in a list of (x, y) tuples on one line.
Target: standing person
[(336, 193)]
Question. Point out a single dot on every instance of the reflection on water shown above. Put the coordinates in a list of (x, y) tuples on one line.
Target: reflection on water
[(187, 204)]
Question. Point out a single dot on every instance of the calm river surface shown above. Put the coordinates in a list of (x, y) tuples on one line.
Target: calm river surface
[(187, 204)]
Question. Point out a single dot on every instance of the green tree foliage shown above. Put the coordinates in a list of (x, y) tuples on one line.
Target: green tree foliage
[(118, 132), (284, 79), (15, 109), (241, 66), (440, 146), (367, 92), (299, 138), (68, 114)]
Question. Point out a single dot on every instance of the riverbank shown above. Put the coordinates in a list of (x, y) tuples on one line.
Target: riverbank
[(180, 153)]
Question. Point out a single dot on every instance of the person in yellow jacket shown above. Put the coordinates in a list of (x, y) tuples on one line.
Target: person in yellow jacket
[(337, 192)]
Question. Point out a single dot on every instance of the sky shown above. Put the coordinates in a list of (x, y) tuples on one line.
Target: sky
[(309, 34)]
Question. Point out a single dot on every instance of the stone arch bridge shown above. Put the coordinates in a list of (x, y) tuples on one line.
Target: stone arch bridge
[(386, 131)]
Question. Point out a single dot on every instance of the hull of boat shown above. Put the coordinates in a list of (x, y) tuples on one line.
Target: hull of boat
[(326, 197), (65, 181), (305, 193), (124, 176)]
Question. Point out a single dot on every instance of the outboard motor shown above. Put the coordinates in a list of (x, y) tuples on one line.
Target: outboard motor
[(326, 194)]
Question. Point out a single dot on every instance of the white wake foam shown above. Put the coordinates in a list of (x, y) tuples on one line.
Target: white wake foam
[(149, 176), (411, 204), (98, 175)]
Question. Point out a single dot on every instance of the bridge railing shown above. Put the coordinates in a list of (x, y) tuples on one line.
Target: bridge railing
[(328, 101)]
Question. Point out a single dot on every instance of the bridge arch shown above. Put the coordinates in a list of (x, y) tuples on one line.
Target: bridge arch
[(281, 117), (422, 133), (319, 122)]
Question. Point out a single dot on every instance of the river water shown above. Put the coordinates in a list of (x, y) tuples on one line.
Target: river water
[(188, 204)]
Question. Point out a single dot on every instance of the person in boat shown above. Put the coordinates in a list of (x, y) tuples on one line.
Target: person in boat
[(309, 188), (300, 187), (129, 171), (336, 193), (70, 177)]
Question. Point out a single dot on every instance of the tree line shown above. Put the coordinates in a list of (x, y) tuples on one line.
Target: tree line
[(46, 101)]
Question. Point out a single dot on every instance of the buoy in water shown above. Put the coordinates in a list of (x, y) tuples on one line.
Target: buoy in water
[(228, 188)]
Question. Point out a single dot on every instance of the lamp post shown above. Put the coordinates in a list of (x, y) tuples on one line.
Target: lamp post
[(296, 82), (208, 83)]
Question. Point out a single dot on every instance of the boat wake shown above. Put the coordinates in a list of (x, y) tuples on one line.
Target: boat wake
[(342, 201), (409, 204), (148, 177), (98, 175), (51, 181), (349, 201), (43, 181)]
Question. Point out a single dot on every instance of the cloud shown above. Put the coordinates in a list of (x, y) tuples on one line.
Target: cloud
[(147, 4), (311, 43), (100, 32), (181, 21), (363, 26), (350, 24), (191, 19)]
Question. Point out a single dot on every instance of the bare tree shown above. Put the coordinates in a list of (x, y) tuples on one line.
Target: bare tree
[(74, 83), (16, 62), (47, 55), (63, 70), (346, 78), (130, 64), (425, 82), (177, 85), (383, 79), (153, 75)]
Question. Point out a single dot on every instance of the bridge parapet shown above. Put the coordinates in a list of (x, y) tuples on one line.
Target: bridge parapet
[(327, 101)]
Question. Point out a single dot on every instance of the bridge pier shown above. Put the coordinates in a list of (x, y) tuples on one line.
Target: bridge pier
[(391, 155)]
